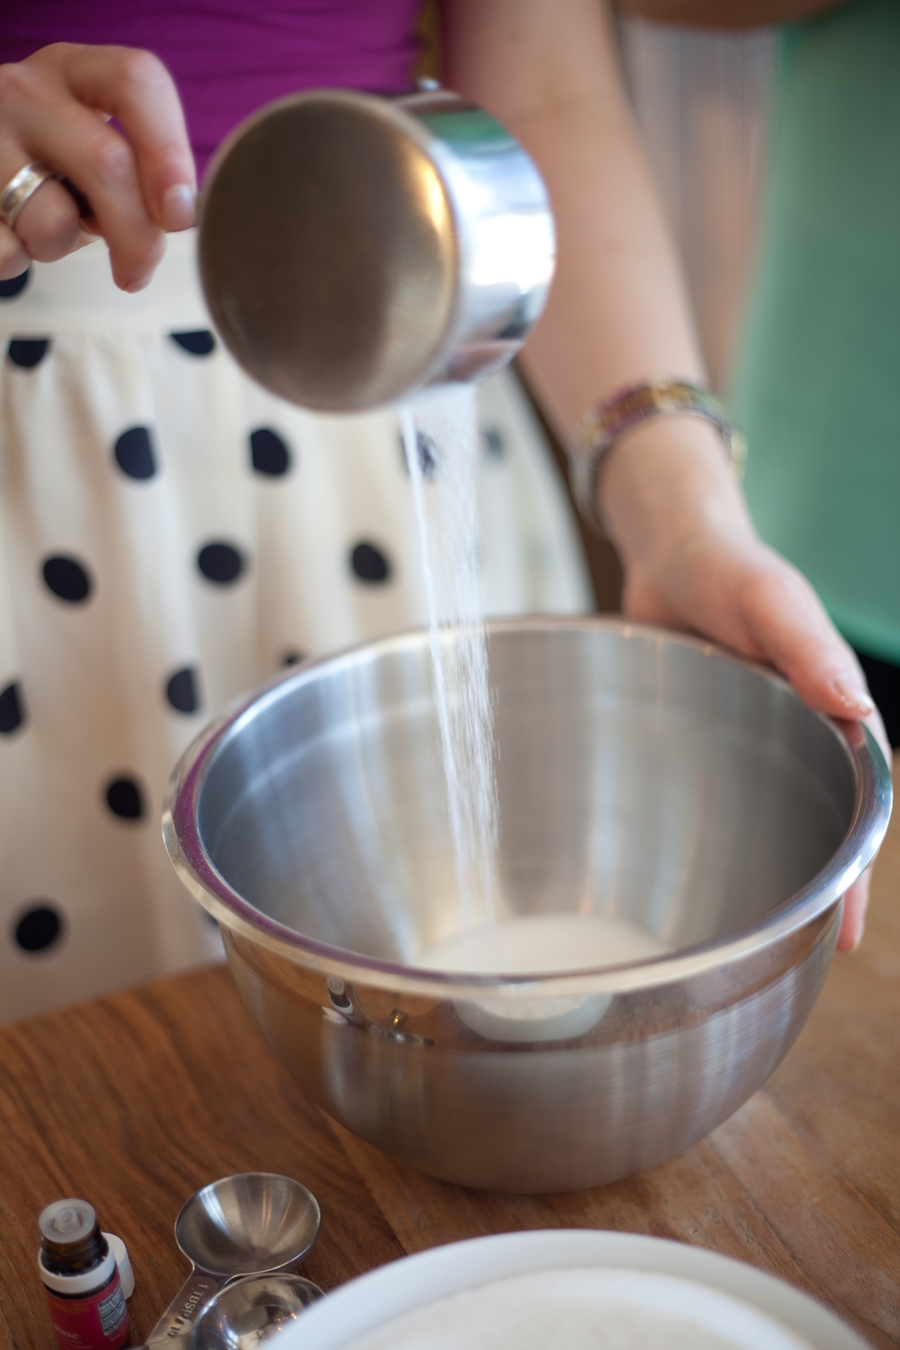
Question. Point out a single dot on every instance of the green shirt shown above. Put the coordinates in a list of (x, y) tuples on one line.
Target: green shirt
[(817, 388)]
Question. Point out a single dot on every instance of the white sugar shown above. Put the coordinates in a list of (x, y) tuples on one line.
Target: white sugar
[(440, 438), (532, 944), (585, 1309)]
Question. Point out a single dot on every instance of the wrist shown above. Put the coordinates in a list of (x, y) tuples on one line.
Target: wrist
[(666, 483)]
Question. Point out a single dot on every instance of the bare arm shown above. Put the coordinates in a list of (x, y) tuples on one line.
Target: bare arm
[(727, 13), (618, 315), (618, 311)]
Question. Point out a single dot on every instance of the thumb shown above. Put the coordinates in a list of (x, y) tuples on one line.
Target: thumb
[(785, 618)]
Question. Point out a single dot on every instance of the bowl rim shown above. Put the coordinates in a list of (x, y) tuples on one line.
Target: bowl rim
[(369, 1302), (872, 809)]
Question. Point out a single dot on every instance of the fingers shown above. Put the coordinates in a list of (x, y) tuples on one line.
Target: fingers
[(48, 226), (787, 620), (135, 87), (853, 919), (55, 107), (13, 257), (726, 585), (800, 640), (102, 164), (877, 728)]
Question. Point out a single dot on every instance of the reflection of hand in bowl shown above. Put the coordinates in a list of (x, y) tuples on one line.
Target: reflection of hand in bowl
[(535, 944), (642, 775)]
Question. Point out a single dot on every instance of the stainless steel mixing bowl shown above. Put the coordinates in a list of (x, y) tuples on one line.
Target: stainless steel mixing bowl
[(641, 774)]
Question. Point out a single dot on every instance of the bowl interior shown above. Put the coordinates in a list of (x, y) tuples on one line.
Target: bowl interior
[(640, 775)]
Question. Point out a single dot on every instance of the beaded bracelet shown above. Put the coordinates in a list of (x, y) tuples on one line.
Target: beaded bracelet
[(601, 427)]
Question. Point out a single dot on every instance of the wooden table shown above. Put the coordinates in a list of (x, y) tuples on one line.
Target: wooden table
[(135, 1101)]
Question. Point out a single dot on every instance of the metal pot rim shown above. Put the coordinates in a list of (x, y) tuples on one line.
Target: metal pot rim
[(857, 849)]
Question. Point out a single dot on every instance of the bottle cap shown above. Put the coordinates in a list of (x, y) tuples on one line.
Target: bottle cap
[(120, 1252), (84, 1283), (67, 1221)]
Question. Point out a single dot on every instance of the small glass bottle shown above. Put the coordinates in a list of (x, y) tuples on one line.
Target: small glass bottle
[(81, 1279)]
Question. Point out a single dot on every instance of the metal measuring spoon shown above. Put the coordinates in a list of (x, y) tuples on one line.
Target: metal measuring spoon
[(254, 1223), (247, 1312)]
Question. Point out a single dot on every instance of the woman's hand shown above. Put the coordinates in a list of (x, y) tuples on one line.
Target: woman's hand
[(55, 107), (693, 561)]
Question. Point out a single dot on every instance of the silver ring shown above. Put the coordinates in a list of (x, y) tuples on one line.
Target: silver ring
[(20, 189)]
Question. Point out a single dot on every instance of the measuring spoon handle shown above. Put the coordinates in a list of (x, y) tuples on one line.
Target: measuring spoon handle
[(181, 1314), (184, 1342)]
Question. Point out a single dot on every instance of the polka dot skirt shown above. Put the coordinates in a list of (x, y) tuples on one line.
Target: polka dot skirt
[(169, 535)]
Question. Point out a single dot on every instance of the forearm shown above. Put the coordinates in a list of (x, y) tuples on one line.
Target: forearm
[(618, 313)]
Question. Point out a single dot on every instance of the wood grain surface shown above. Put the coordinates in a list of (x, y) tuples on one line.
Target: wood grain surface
[(136, 1100)]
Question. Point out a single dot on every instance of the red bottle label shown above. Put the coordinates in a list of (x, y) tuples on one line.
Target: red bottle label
[(98, 1321)]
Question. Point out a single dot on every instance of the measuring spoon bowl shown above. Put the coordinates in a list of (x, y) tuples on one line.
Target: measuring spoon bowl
[(252, 1309), (247, 1312)]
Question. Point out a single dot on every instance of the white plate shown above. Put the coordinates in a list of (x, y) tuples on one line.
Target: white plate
[(391, 1291)]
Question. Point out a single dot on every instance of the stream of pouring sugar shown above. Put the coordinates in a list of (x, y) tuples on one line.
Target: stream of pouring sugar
[(440, 440), (441, 444)]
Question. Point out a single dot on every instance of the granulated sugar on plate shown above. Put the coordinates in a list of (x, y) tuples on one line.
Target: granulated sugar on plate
[(585, 1309)]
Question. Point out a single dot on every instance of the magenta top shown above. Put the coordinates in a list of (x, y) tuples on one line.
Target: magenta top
[(228, 57)]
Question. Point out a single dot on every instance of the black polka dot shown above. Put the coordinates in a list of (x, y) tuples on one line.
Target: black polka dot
[(199, 342), (181, 691), (268, 452), (292, 658), (124, 798), (14, 285), (40, 927), (427, 453), (11, 712), (134, 453), (67, 578), (27, 352), (494, 445), (369, 563), (222, 563)]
